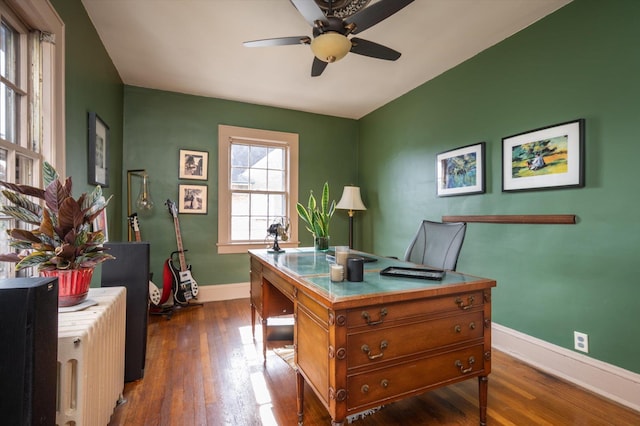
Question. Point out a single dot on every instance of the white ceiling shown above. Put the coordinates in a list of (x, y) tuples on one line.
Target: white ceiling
[(195, 47)]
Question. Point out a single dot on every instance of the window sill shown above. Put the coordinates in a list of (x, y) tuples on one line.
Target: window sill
[(231, 248)]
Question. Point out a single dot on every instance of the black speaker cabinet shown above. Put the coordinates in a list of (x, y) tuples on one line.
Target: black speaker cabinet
[(29, 354), (130, 269)]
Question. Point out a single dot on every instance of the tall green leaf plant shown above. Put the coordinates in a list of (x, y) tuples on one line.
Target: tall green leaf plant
[(317, 217)]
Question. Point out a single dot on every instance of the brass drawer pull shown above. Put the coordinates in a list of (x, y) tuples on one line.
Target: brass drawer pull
[(364, 389), (384, 383), (457, 328), (383, 313), (461, 304), (463, 370), (365, 348)]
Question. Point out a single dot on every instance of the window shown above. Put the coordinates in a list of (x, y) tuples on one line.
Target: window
[(257, 185), (31, 99)]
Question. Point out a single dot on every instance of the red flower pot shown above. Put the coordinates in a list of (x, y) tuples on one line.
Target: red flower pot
[(73, 284)]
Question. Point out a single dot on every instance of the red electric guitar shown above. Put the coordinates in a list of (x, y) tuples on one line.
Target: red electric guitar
[(179, 276), (155, 297)]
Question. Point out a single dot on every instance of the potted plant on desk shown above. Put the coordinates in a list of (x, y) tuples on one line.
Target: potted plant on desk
[(61, 242), (317, 217)]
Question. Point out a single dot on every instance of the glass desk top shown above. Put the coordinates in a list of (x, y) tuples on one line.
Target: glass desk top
[(312, 267)]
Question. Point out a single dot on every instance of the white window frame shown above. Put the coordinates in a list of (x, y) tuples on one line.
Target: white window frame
[(41, 117), (228, 134), (41, 15)]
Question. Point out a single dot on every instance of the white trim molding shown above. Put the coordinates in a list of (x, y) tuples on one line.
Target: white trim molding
[(215, 293), (609, 381)]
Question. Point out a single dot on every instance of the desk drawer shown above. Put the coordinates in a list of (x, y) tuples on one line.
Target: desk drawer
[(386, 313), (377, 345), (384, 385)]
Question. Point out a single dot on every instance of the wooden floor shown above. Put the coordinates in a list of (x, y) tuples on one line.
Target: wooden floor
[(204, 368)]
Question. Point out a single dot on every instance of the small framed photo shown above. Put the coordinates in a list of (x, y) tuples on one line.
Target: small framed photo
[(551, 157), (100, 223), (193, 164), (192, 199), (461, 171), (98, 151)]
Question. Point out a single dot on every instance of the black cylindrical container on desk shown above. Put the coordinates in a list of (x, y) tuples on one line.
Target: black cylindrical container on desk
[(355, 269)]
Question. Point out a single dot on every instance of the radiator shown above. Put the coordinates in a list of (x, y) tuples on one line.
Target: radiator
[(91, 350)]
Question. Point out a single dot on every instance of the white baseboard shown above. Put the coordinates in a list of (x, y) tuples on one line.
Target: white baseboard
[(214, 293), (609, 381)]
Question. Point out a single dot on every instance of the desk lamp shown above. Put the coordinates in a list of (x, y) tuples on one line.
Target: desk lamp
[(351, 201)]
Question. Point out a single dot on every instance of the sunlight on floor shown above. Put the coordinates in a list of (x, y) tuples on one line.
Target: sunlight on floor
[(253, 356)]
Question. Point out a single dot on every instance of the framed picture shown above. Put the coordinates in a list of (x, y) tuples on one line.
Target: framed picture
[(547, 158), (192, 199), (100, 222), (193, 164), (461, 171), (98, 151)]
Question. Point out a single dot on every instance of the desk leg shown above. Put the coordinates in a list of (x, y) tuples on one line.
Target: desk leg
[(300, 396), (253, 321), (483, 393), (264, 339)]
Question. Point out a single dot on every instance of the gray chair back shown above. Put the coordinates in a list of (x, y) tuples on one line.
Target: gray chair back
[(437, 244)]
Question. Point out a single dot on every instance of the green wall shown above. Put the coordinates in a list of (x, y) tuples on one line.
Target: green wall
[(581, 62), (92, 84), (158, 124)]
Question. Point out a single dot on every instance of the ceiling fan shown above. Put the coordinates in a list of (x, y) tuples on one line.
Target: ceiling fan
[(331, 40)]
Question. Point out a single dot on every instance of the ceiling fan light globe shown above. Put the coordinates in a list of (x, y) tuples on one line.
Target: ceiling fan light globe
[(330, 46)]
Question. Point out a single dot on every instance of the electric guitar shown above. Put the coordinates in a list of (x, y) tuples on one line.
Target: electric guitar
[(179, 276), (155, 297)]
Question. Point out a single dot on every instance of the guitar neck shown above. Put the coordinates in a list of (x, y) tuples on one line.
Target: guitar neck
[(183, 263), (137, 235)]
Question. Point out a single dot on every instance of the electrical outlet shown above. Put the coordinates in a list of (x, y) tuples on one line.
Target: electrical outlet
[(581, 341)]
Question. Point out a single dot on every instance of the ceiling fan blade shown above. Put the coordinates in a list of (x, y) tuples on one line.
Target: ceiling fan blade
[(281, 41), (318, 67), (371, 15), (309, 11), (374, 50)]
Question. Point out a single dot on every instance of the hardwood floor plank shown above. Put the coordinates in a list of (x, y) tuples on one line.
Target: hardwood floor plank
[(204, 368)]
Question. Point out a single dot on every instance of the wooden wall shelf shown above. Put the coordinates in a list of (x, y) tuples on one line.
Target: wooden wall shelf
[(536, 219)]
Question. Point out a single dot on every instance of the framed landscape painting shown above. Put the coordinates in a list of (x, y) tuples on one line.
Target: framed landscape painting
[(547, 158), (461, 171)]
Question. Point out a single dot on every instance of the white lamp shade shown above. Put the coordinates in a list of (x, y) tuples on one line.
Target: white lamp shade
[(351, 199), (330, 46)]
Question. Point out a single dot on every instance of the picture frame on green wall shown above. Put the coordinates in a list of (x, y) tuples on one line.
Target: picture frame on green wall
[(461, 171), (550, 157), (98, 151), (192, 199), (193, 164)]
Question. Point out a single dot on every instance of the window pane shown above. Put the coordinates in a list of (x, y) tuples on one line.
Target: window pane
[(239, 178), (239, 228), (8, 52), (258, 179), (259, 206), (276, 206), (276, 159), (259, 226), (239, 204), (275, 180), (258, 157), (3, 164), (24, 170), (239, 155), (8, 123)]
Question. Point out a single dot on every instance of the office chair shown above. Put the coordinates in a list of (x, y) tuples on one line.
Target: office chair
[(437, 244)]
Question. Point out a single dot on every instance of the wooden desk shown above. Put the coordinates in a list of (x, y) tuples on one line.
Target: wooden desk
[(361, 345)]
